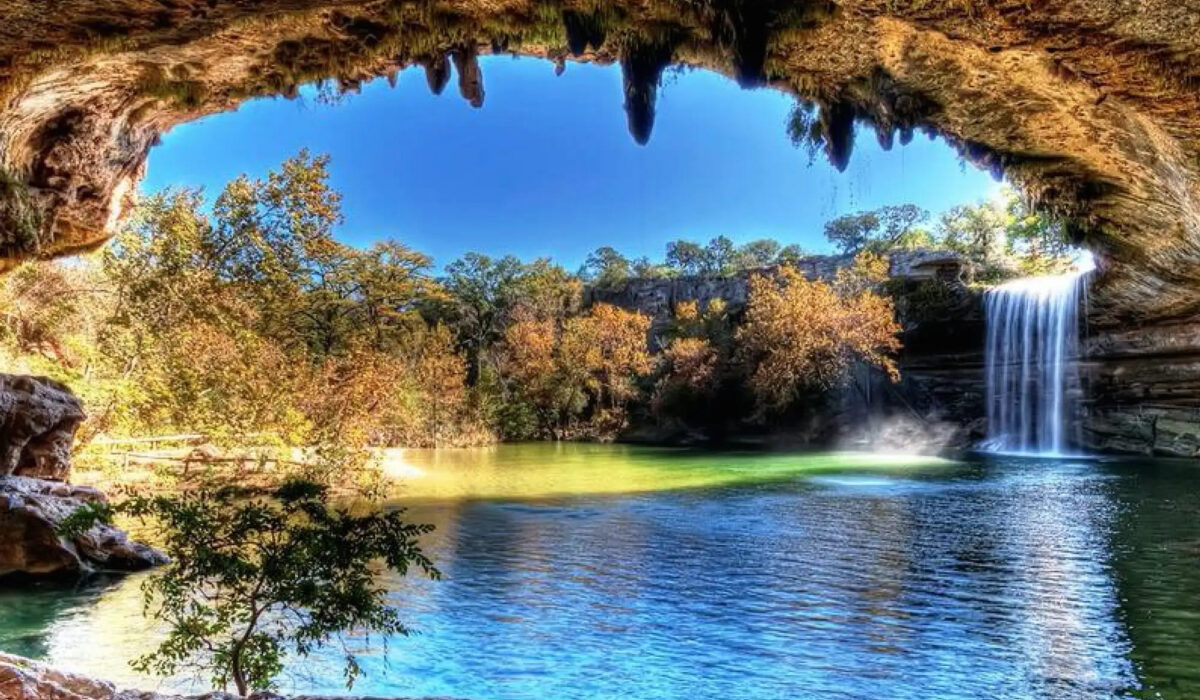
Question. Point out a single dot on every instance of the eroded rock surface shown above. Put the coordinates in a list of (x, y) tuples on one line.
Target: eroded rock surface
[(38, 419), (1090, 105), (30, 512), (26, 679)]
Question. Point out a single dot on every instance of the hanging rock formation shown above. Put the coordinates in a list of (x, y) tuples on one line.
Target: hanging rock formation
[(1089, 105)]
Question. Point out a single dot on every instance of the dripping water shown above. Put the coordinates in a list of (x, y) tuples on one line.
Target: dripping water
[(1031, 362)]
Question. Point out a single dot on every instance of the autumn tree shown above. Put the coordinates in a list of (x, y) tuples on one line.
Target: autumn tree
[(801, 334)]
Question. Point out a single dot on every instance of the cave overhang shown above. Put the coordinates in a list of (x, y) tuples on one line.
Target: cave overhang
[(1090, 107)]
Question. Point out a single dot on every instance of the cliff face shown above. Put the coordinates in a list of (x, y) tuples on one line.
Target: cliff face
[(1141, 389), (1140, 385), (1089, 105), (939, 402)]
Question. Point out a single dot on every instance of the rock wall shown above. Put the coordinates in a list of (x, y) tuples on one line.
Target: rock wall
[(1141, 389), (38, 418), (939, 403), (1139, 384)]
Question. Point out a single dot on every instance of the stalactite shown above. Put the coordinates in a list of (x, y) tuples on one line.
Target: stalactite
[(583, 30), (470, 77), (837, 123), (642, 65), (437, 72), (743, 26)]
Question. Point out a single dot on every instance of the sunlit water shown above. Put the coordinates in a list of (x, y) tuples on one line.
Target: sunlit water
[(585, 572)]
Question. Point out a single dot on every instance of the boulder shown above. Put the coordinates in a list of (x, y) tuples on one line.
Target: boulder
[(30, 512), (38, 419)]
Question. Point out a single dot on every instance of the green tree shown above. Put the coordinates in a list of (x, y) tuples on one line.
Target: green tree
[(977, 232), (252, 579), (482, 292), (720, 255), (790, 254), (755, 254), (687, 258), (880, 230), (605, 267)]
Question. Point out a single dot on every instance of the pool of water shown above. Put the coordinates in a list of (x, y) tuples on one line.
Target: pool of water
[(590, 572)]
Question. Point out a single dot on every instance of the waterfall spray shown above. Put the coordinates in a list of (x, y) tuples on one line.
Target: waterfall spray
[(1031, 353)]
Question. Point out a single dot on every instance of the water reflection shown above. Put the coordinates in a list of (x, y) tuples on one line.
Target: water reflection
[(1006, 578)]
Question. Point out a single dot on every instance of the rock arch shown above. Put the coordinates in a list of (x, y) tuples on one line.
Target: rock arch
[(1088, 105)]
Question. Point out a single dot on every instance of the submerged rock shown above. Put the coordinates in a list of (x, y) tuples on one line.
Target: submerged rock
[(30, 512)]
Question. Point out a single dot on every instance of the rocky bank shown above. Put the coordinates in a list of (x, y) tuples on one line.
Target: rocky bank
[(25, 679), (38, 418)]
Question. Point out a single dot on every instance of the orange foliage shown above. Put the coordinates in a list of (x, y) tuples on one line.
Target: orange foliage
[(800, 333)]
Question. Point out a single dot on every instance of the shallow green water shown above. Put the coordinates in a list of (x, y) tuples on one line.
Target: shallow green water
[(589, 572), (545, 470)]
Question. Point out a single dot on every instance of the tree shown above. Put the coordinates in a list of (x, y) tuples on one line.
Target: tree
[(720, 256), (252, 579), (560, 366), (880, 230), (978, 232), (687, 258), (605, 267), (1038, 241), (620, 337), (645, 268), (482, 292), (791, 253), (851, 233), (755, 254), (801, 334)]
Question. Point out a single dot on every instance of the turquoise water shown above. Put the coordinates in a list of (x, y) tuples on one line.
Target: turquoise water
[(822, 577)]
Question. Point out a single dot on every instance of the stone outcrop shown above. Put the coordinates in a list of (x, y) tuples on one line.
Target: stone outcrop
[(30, 512), (26, 679), (38, 419), (1141, 389), (1089, 105)]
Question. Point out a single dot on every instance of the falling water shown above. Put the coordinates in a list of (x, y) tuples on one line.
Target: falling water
[(1032, 346)]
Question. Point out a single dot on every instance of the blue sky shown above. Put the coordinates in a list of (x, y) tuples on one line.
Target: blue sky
[(547, 167)]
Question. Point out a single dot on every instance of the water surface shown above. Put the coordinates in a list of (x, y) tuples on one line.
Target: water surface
[(589, 572)]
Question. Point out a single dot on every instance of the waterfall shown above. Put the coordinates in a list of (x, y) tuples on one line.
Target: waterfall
[(1032, 346)]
